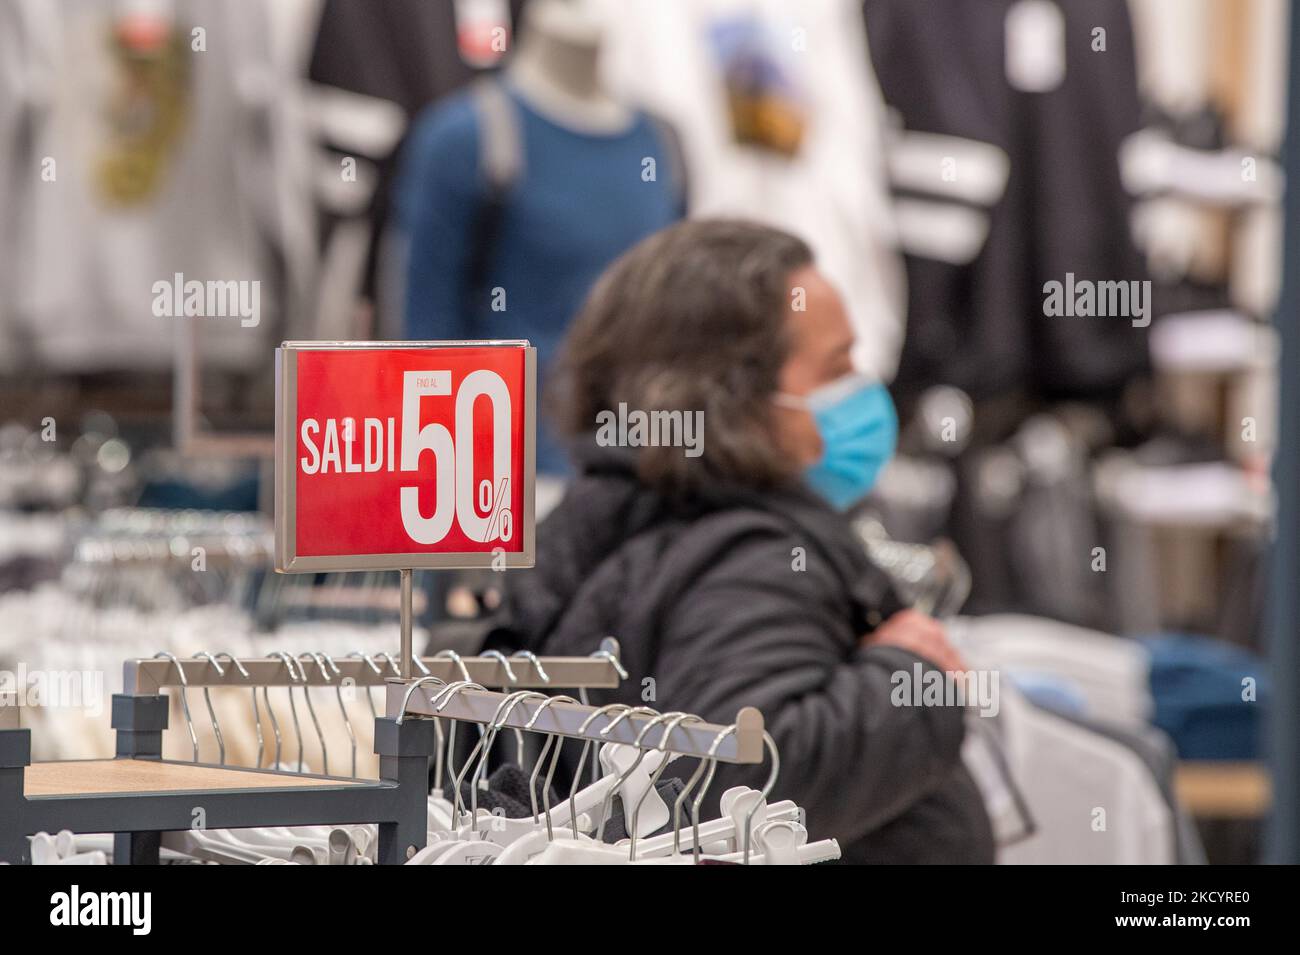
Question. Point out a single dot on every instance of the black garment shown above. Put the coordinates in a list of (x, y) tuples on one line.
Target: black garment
[(508, 791), (403, 51), (706, 600), (1080, 208), (980, 325), (1025, 511), (940, 70)]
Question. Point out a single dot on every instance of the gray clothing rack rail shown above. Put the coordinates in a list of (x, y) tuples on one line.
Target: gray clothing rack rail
[(599, 671), (744, 744)]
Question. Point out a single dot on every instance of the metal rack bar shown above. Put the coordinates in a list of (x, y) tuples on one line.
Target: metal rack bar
[(744, 745), (405, 655), (158, 550), (147, 677)]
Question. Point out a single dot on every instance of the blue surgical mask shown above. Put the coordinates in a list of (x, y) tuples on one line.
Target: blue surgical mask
[(858, 425)]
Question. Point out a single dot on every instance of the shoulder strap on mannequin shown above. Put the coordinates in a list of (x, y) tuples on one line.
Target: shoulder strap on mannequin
[(501, 154), (501, 160)]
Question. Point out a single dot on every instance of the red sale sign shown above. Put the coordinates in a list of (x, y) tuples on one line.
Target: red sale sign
[(404, 455)]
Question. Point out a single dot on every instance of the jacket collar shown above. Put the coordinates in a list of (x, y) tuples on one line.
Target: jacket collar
[(827, 529)]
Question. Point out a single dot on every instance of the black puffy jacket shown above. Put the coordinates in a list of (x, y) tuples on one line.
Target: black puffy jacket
[(707, 601)]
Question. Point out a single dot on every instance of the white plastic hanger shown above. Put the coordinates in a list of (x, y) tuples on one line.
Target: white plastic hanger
[(721, 830), (780, 846), (473, 844), (631, 772), (506, 831), (464, 844), (61, 849), (198, 845)]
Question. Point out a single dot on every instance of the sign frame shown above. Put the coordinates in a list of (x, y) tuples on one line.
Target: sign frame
[(288, 561)]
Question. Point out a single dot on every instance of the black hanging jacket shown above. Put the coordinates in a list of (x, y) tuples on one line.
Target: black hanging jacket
[(739, 598), (980, 325)]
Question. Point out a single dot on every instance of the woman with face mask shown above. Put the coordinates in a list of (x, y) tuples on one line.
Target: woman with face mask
[(719, 432)]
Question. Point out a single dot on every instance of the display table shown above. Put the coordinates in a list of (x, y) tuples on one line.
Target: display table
[(88, 776)]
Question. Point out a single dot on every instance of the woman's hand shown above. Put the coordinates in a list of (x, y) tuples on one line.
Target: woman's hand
[(915, 632)]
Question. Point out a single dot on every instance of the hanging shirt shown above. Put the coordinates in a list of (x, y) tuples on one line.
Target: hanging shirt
[(384, 53), (578, 201), (1111, 673), (137, 150), (1093, 800), (1013, 94), (780, 119)]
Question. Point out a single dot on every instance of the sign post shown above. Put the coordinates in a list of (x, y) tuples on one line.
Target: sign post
[(404, 455)]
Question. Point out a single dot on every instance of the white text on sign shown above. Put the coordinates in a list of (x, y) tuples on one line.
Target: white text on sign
[(336, 445)]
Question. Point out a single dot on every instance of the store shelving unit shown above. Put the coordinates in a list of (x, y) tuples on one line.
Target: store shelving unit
[(138, 795)]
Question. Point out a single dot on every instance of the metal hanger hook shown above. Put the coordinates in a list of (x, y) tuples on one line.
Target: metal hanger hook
[(505, 663), (711, 763), (536, 661), (541, 758), (582, 760), (677, 721), (311, 707), (608, 802), (503, 711), (294, 677), (252, 691), (212, 713), (185, 703), (770, 745), (410, 690), (347, 722)]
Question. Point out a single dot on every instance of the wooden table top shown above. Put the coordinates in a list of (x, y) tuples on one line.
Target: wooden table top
[(86, 776)]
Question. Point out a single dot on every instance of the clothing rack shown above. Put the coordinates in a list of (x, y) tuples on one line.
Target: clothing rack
[(599, 671), (140, 537), (138, 795), (244, 551)]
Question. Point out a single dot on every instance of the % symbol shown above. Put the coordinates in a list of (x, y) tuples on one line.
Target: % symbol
[(501, 523)]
